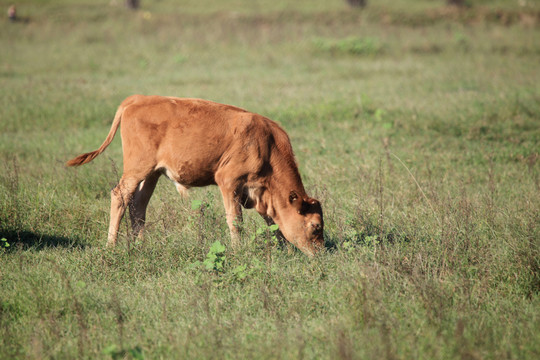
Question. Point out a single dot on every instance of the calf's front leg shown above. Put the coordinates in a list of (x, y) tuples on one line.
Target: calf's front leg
[(233, 210)]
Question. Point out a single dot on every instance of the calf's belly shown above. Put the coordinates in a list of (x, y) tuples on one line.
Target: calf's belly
[(189, 173)]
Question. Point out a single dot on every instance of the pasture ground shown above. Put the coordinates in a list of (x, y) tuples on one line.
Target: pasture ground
[(415, 124)]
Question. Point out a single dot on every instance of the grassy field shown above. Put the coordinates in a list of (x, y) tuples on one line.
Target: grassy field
[(416, 125)]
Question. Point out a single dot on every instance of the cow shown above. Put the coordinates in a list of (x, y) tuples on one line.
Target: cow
[(197, 143)]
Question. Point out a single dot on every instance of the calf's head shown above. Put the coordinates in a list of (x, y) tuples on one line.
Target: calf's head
[(301, 223)]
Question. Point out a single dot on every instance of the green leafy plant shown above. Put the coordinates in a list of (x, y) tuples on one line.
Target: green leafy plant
[(215, 259), (4, 243), (272, 230), (371, 240), (196, 204), (115, 353), (239, 273), (348, 246)]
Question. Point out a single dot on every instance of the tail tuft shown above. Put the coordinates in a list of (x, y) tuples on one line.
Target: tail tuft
[(83, 159)]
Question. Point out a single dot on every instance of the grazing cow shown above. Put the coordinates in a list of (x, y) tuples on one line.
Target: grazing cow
[(12, 13), (197, 142)]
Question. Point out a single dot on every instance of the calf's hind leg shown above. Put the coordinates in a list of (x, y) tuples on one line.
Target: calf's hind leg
[(139, 203), (120, 198)]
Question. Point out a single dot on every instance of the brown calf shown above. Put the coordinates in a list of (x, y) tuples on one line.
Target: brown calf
[(198, 143)]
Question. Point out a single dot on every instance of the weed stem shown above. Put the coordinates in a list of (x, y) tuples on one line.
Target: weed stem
[(419, 187)]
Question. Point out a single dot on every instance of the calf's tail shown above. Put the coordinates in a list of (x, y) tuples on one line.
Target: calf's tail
[(87, 157)]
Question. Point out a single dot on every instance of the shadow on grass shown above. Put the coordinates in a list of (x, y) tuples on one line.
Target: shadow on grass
[(23, 239)]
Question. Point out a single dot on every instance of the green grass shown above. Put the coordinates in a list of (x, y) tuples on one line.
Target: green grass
[(416, 125)]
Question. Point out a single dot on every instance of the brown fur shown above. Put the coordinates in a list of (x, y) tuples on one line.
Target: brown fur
[(198, 143)]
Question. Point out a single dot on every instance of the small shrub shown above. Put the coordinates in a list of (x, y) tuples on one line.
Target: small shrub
[(215, 259)]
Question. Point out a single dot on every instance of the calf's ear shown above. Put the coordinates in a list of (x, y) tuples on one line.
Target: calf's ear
[(293, 196), (314, 206), (295, 200), (312, 201)]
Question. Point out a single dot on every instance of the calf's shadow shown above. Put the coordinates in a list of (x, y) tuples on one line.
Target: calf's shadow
[(24, 239)]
